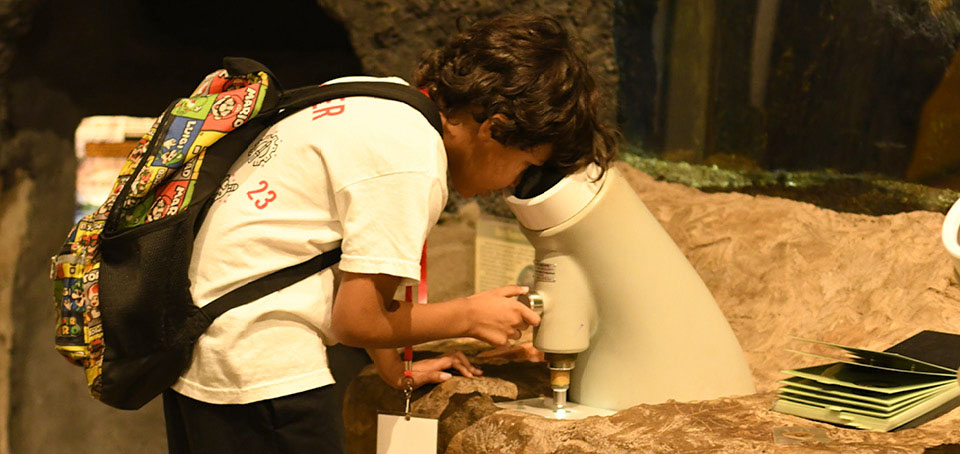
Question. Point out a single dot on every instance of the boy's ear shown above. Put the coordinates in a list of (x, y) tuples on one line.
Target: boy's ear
[(444, 122), (486, 128)]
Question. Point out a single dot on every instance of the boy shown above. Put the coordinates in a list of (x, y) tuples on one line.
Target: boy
[(370, 176)]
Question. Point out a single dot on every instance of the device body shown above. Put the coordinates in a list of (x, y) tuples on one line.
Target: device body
[(618, 292)]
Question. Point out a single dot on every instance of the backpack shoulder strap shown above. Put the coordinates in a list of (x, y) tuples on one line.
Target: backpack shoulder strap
[(268, 284), (299, 98)]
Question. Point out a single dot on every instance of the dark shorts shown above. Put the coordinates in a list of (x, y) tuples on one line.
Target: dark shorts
[(307, 422)]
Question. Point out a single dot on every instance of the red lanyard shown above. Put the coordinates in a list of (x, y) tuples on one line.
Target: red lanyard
[(422, 299)]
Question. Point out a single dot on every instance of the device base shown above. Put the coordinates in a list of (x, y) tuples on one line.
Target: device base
[(543, 406)]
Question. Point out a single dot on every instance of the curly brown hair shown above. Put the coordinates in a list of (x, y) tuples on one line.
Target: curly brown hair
[(527, 69)]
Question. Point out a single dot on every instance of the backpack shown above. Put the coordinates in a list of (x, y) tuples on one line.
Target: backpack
[(122, 295)]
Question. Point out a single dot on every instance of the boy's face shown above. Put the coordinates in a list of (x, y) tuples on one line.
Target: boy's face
[(478, 163)]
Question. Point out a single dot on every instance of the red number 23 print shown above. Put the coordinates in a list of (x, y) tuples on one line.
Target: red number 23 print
[(259, 202)]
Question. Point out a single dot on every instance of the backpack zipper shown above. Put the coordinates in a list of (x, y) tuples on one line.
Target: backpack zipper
[(162, 130)]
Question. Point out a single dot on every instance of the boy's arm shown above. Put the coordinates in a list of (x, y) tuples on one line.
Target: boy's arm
[(365, 315), (388, 365)]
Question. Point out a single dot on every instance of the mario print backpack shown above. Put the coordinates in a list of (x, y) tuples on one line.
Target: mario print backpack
[(123, 304)]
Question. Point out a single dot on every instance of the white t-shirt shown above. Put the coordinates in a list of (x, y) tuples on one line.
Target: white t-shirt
[(365, 174)]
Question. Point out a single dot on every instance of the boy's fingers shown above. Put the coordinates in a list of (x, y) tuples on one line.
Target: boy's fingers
[(512, 290), (464, 370), (466, 362), (460, 358), (530, 316), (433, 376), (439, 376), (450, 360), (459, 361), (498, 341)]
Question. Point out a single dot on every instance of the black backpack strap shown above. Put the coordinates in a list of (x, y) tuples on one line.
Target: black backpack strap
[(270, 283), (300, 98)]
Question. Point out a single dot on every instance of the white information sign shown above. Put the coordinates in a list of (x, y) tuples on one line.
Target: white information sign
[(503, 255)]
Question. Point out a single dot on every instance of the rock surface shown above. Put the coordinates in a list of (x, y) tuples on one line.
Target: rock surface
[(777, 268)]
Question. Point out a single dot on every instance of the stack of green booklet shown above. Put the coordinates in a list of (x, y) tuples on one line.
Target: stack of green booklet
[(904, 386)]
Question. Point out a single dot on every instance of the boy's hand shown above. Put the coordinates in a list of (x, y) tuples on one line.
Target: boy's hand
[(496, 317), (432, 370)]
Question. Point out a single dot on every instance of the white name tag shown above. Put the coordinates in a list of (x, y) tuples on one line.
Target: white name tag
[(397, 435)]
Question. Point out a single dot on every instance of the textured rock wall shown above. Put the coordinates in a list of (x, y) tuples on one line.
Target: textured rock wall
[(13, 212), (390, 36), (16, 190), (47, 397)]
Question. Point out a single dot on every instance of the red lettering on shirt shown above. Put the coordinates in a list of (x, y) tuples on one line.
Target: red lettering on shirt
[(319, 111)]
